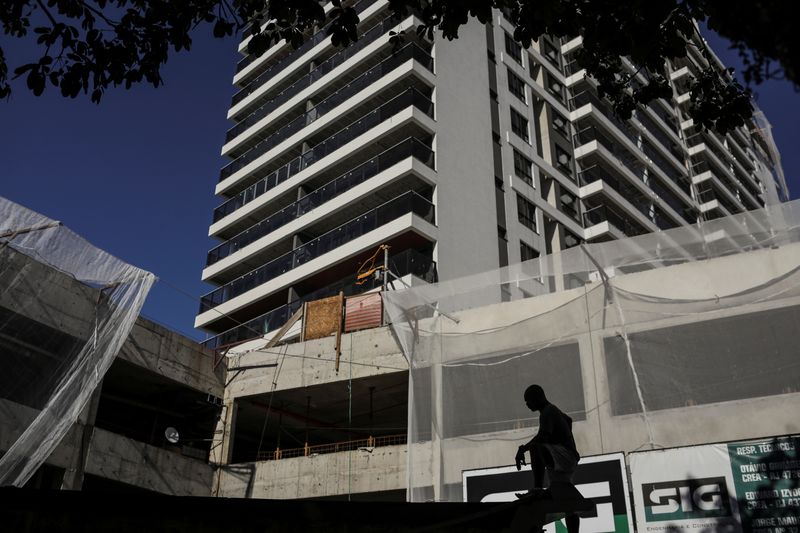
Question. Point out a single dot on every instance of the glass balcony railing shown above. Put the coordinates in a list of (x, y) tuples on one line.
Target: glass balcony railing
[(410, 147), (588, 97), (409, 202), (412, 97), (656, 131), (310, 43), (603, 213), (591, 133), (367, 38), (410, 51), (630, 193), (679, 177), (402, 264)]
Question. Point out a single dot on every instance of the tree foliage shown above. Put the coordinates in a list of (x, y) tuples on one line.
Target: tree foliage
[(88, 46)]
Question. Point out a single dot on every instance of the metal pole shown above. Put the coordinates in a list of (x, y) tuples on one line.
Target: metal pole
[(385, 267)]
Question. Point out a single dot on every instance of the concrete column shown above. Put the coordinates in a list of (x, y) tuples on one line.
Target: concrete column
[(222, 444), (73, 474)]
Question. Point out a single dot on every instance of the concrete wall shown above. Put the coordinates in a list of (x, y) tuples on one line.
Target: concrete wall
[(45, 295), (373, 352), (714, 283), (115, 457), (135, 463), (173, 356), (465, 173), (331, 474)]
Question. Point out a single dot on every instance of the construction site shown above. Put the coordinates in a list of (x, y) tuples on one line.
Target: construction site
[(666, 341)]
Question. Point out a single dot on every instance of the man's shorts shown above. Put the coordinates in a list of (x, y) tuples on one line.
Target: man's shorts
[(564, 462)]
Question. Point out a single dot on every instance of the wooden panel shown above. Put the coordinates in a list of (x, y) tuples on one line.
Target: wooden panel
[(322, 317), (363, 311)]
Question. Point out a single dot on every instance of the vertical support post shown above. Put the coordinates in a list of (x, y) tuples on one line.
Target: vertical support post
[(385, 267), (339, 330), (222, 445), (73, 475)]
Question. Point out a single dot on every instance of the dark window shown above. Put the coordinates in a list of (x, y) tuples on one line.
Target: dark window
[(519, 125), (526, 213), (560, 124), (554, 87), (513, 49), (516, 86), (569, 205), (570, 240), (563, 160), (522, 168), (552, 53), (527, 252)]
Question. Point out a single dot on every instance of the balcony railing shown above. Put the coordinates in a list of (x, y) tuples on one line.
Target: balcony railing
[(346, 446), (402, 264), (409, 202), (310, 43), (728, 160), (677, 176), (411, 147), (591, 133), (630, 193), (656, 131), (588, 97), (368, 37), (412, 97), (409, 51), (603, 213)]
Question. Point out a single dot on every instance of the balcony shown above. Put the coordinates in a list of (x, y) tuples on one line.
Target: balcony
[(367, 38), (408, 262), (412, 97), (411, 147), (295, 53), (409, 202), (587, 97), (409, 98), (603, 213), (410, 51), (651, 127), (592, 133)]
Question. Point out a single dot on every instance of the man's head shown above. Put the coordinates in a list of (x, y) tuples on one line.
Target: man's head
[(535, 398)]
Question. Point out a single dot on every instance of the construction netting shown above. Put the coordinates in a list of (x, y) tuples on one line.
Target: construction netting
[(671, 338), (66, 307)]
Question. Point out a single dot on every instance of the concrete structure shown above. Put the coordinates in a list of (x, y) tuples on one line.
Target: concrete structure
[(463, 156), (307, 399), (159, 379)]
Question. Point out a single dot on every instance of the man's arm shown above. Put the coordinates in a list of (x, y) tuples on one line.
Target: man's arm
[(542, 436)]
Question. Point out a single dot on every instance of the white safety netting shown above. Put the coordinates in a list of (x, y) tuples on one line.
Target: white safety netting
[(66, 307), (671, 338)]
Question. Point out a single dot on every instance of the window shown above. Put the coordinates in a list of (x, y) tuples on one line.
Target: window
[(570, 240), (526, 213), (552, 53), (554, 87), (563, 160), (527, 252), (519, 125), (516, 86), (522, 168), (569, 205), (560, 124), (514, 49)]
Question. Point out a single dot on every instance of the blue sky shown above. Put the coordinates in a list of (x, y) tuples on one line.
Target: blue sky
[(135, 175)]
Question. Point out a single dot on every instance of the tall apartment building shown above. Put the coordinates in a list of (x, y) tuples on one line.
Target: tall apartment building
[(461, 155)]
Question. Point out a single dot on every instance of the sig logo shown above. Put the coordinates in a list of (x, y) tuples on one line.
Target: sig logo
[(685, 499)]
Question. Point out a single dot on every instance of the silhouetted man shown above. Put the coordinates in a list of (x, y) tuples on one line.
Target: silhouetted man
[(553, 451)]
